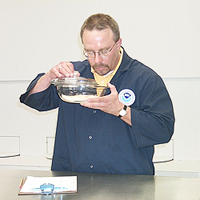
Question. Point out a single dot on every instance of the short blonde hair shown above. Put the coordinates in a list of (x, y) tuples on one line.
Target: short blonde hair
[(99, 22)]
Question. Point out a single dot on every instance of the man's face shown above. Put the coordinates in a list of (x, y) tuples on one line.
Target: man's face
[(102, 40)]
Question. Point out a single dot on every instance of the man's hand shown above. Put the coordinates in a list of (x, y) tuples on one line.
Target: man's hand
[(63, 69), (109, 103)]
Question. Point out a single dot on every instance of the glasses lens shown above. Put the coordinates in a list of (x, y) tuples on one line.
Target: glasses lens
[(104, 53), (88, 54)]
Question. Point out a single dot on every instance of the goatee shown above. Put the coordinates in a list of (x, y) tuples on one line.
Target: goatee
[(104, 69)]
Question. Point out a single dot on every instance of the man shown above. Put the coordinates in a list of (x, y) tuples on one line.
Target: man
[(111, 134)]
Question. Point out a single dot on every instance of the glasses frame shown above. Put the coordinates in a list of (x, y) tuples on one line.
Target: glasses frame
[(99, 52)]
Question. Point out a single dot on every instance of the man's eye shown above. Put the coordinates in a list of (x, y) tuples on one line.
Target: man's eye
[(90, 53), (104, 51)]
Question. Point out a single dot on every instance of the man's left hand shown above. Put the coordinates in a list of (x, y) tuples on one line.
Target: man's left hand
[(109, 103)]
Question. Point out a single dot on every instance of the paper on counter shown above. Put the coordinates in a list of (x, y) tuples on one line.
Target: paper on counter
[(61, 183)]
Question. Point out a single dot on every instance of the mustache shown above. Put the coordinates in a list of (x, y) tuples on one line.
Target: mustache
[(100, 65)]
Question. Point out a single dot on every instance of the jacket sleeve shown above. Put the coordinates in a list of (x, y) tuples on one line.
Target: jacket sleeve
[(153, 117), (42, 101)]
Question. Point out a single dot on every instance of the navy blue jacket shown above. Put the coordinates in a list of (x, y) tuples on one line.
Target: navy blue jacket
[(90, 140)]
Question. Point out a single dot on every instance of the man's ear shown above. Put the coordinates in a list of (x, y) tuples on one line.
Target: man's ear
[(119, 43)]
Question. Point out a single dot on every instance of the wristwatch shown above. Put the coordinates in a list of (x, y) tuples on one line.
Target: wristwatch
[(122, 111)]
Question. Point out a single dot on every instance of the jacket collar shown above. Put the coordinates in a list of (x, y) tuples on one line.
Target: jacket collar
[(125, 64)]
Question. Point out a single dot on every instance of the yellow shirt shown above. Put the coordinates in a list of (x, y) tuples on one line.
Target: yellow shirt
[(103, 80)]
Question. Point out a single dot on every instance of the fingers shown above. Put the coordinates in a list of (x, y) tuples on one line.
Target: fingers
[(95, 103), (105, 102), (63, 69), (112, 89), (109, 103)]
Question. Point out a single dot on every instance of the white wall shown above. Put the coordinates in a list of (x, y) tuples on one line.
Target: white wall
[(36, 35)]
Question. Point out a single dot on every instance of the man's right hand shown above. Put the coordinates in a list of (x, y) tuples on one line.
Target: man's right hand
[(62, 70)]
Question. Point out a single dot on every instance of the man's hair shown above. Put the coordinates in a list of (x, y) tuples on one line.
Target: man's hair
[(100, 22)]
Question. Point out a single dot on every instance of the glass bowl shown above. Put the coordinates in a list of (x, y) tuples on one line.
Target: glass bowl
[(78, 89)]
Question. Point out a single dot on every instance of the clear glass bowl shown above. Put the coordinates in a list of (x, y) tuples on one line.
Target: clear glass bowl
[(78, 89)]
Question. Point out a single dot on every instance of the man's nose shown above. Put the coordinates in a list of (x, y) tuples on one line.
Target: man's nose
[(97, 57)]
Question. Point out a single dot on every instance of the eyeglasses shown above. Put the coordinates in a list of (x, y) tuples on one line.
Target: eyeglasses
[(103, 53)]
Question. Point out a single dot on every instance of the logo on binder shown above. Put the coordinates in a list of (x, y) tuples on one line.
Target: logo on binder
[(127, 97)]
